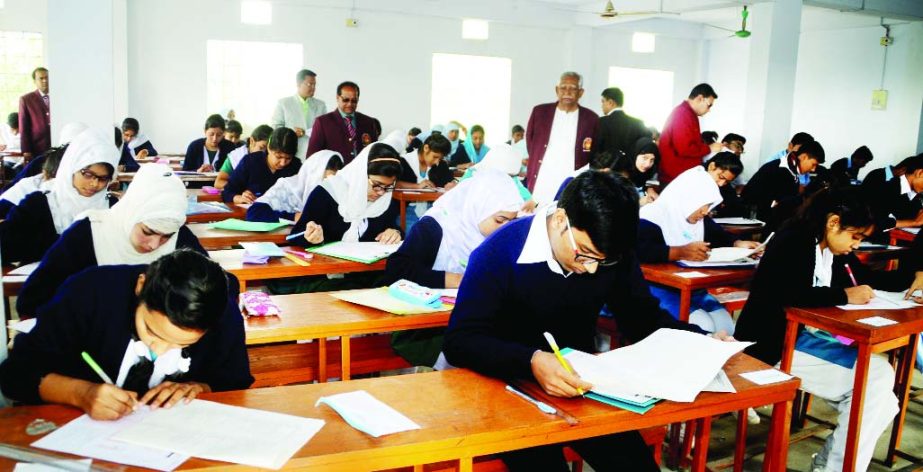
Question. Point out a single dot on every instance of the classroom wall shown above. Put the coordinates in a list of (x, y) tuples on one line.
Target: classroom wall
[(389, 56)]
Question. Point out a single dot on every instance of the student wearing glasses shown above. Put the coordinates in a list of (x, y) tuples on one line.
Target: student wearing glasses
[(554, 272), (87, 168)]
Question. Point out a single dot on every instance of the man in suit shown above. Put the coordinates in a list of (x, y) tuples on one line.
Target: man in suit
[(681, 144), (35, 117), (299, 111), (344, 130), (559, 138), (617, 131)]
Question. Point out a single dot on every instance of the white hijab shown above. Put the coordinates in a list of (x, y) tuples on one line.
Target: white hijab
[(157, 198), (449, 128), (92, 146), (349, 188), (686, 194), (24, 187), (502, 157), (289, 194), (462, 209), (71, 131), (395, 139)]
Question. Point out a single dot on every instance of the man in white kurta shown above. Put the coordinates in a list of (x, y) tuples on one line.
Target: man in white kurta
[(299, 111), (559, 156)]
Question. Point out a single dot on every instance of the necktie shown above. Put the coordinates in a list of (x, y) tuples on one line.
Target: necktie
[(350, 132)]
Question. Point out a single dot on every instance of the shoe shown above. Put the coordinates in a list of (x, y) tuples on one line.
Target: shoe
[(752, 416)]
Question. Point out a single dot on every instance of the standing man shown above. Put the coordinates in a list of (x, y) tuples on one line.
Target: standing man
[(299, 111), (559, 138), (344, 130), (617, 131), (681, 145), (35, 117)]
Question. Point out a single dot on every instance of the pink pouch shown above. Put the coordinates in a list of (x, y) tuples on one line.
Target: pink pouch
[(255, 303), (210, 190), (163, 161)]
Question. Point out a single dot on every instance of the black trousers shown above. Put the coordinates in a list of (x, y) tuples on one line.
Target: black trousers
[(615, 452)]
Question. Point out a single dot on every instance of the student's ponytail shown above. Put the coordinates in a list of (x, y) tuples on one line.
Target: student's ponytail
[(846, 203)]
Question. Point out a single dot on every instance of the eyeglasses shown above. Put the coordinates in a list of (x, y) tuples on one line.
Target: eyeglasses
[(379, 188), (583, 258), (103, 179), (349, 100)]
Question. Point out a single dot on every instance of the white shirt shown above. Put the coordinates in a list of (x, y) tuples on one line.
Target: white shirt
[(413, 159), (823, 266), (7, 137), (906, 190), (538, 247), (558, 162)]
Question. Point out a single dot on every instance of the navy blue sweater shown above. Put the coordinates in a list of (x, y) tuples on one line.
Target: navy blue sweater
[(70, 254), (252, 173), (131, 165), (322, 209), (415, 258), (94, 311), (653, 249), (196, 150), (504, 307), (261, 211)]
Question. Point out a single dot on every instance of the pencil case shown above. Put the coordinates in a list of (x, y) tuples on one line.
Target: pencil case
[(415, 294), (211, 190), (256, 303)]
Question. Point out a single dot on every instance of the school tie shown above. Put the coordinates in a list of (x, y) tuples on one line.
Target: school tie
[(350, 132)]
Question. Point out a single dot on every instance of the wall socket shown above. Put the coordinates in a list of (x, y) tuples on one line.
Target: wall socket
[(887, 41), (352, 23)]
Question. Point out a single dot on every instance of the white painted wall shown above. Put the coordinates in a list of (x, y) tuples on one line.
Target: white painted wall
[(24, 15)]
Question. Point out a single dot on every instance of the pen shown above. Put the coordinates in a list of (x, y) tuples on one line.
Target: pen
[(851, 276), (546, 408), (96, 368), (302, 254), (295, 236), (557, 353)]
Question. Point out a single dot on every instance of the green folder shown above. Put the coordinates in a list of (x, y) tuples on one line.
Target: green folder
[(235, 224), (623, 403), (364, 252)]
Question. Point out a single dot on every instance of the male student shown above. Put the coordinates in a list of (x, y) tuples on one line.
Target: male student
[(617, 131), (776, 181), (799, 139), (846, 169), (554, 272), (897, 204), (344, 130), (681, 144)]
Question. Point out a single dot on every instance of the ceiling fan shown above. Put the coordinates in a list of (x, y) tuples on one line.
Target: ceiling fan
[(610, 12), (743, 32)]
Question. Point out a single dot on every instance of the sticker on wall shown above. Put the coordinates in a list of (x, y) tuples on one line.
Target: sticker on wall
[(879, 99)]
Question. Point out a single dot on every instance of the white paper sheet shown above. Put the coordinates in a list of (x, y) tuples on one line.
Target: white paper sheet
[(90, 438), (450, 292), (225, 433), (877, 321), (24, 269), (884, 301), (24, 326), (368, 414), (768, 376), (729, 254), (738, 221), (72, 465), (690, 274), (262, 248), (720, 384), (670, 364), (911, 230)]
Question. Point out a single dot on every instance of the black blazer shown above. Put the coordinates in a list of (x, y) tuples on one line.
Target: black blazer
[(618, 132), (886, 200), (196, 150)]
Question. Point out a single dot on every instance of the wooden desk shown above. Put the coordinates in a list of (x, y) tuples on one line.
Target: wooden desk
[(237, 211), (869, 340), (12, 283), (320, 316), (280, 267), (877, 255), (744, 231), (202, 196), (665, 274), (462, 415), (211, 238), (206, 177), (898, 235), (411, 196)]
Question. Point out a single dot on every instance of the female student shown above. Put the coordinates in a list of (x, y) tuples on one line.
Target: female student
[(257, 172), (134, 145), (85, 171), (145, 224), (36, 183), (163, 333), (437, 248), (355, 204), (286, 198), (646, 156), (472, 150), (208, 153), (805, 265), (255, 143), (676, 227)]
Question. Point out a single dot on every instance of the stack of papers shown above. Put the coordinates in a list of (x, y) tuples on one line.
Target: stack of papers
[(365, 252), (199, 208), (884, 301), (368, 414), (380, 298), (725, 257)]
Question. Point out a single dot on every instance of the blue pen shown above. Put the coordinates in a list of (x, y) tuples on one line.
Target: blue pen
[(295, 236)]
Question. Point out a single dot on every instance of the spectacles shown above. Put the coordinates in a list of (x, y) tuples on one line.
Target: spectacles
[(103, 179), (583, 258), (349, 100), (379, 188)]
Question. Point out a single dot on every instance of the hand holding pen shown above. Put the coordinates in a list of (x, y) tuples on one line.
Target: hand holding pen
[(857, 294), (105, 401)]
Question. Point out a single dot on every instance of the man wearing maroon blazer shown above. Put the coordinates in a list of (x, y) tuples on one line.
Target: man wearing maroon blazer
[(559, 138), (344, 130), (681, 145), (35, 117)]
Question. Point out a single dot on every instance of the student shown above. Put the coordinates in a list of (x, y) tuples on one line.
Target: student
[(602, 162), (805, 266), (898, 204), (724, 167), (646, 155), (875, 181), (286, 198), (9, 136), (847, 169), (255, 143), (452, 130), (778, 180), (148, 222), (677, 227), (355, 204), (34, 166), (412, 141), (504, 158), (423, 160), (134, 145), (471, 152), (437, 248), (553, 272), (208, 153), (709, 137), (37, 183), (799, 139), (233, 132), (163, 333), (257, 172), (86, 169)]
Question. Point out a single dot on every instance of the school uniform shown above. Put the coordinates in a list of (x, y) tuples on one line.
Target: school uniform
[(253, 174), (772, 183), (323, 209), (505, 159), (197, 154), (895, 200), (288, 195), (795, 272), (131, 149), (17, 192), (32, 168), (466, 154), (513, 291), (94, 312), (844, 171)]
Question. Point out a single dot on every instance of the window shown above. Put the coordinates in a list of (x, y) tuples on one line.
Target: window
[(473, 90), (648, 93), (20, 53), (249, 77)]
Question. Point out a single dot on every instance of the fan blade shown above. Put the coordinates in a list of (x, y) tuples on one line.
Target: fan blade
[(633, 13), (720, 28)]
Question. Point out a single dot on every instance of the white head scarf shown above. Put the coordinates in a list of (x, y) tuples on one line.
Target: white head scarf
[(502, 157), (289, 194), (462, 209), (690, 191), (452, 127), (24, 187), (90, 147), (349, 188), (157, 198), (71, 131), (395, 139)]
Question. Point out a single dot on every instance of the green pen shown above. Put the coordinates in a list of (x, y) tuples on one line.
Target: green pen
[(96, 368)]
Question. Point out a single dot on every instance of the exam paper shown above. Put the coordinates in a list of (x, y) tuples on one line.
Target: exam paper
[(720, 384), (367, 252), (877, 321), (224, 433), (884, 301), (262, 249), (367, 413), (768, 376), (690, 274), (24, 269), (737, 221), (70, 465), (24, 326)]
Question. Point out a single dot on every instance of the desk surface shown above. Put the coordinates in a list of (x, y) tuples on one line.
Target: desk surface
[(279, 267), (844, 322), (195, 177), (461, 415), (415, 196), (319, 315), (202, 196), (665, 274), (237, 211), (211, 238)]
